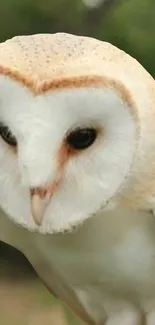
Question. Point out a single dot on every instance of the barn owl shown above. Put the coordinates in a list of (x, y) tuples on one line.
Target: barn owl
[(77, 166)]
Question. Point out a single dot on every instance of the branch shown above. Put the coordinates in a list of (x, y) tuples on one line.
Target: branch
[(96, 12), (91, 4)]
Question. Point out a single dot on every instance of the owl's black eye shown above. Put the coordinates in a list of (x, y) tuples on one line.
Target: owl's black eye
[(7, 136), (80, 139)]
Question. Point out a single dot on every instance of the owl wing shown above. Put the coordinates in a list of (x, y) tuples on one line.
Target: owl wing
[(53, 281), (25, 242)]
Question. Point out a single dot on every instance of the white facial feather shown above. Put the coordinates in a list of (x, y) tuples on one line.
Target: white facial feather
[(40, 124)]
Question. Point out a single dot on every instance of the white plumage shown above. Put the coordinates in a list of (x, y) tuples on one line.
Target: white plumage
[(77, 166)]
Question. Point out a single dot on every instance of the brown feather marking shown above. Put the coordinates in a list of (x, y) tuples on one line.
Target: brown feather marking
[(96, 81)]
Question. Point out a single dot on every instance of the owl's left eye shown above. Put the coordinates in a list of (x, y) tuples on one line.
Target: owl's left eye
[(81, 139), (7, 135)]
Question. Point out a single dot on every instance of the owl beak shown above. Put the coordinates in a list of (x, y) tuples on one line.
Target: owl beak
[(40, 198), (39, 202)]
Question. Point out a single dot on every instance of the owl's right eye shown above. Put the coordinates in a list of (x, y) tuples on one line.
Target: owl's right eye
[(7, 135)]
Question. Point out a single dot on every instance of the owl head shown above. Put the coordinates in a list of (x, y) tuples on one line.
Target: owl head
[(77, 130)]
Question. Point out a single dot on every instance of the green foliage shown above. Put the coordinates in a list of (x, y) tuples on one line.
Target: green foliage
[(131, 27)]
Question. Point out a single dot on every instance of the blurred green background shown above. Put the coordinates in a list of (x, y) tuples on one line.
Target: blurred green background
[(128, 24)]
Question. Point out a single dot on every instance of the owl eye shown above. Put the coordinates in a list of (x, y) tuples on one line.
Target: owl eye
[(80, 139), (7, 136)]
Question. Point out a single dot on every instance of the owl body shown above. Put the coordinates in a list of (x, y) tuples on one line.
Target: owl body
[(77, 166), (106, 277)]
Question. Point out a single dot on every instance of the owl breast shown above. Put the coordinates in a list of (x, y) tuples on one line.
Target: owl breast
[(104, 270)]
